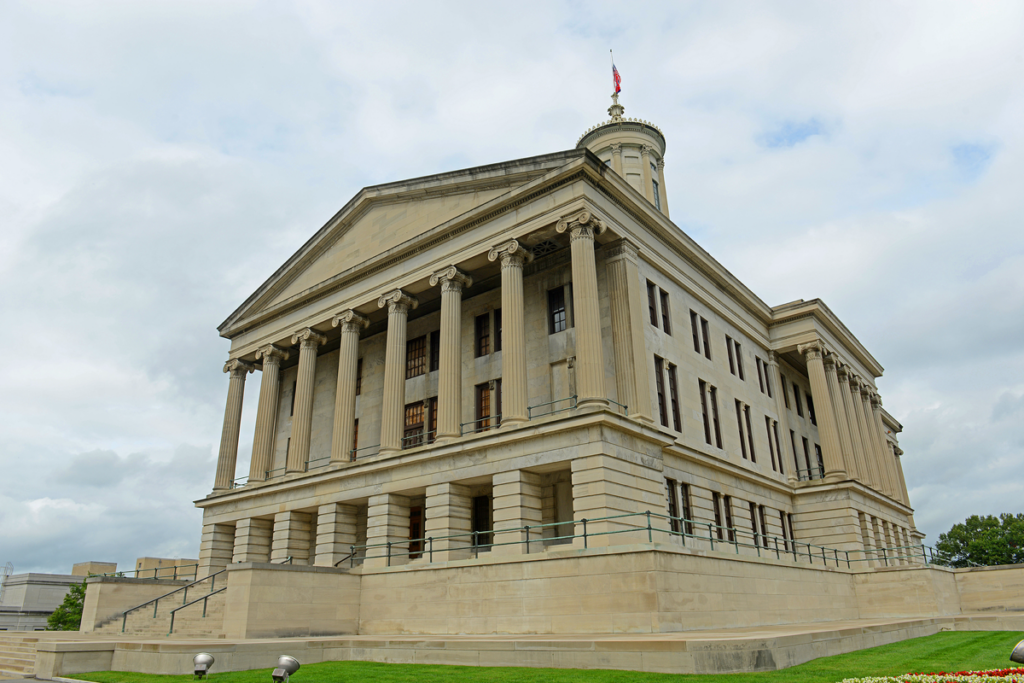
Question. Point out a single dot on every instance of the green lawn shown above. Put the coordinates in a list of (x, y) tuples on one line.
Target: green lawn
[(951, 651)]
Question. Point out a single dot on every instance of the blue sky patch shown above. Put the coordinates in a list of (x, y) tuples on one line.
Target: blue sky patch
[(972, 159), (791, 133)]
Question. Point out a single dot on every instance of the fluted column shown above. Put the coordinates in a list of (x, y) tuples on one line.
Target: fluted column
[(830, 446), (661, 187), (351, 324), (868, 444), (631, 382), (845, 439), (786, 456), (583, 227), (513, 332), (228, 454), (617, 158), (266, 413), (449, 367), (302, 420), (645, 161), (883, 448), (871, 435), (392, 414), (851, 420), (903, 480)]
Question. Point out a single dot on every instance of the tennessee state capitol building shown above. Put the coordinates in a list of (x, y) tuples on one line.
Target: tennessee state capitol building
[(494, 368)]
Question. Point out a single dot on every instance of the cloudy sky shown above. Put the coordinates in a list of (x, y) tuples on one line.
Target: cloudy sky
[(159, 160)]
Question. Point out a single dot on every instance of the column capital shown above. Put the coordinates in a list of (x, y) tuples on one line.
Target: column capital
[(876, 400), (510, 253), (616, 147), (308, 337), (773, 359), (814, 350), (451, 279), (645, 150), (829, 359), (237, 366), (272, 354), (350, 321), (397, 300), (897, 450), (581, 225), (661, 163), (865, 391), (622, 249), (844, 372)]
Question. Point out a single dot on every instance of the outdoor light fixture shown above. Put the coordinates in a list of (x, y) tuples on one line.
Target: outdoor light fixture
[(201, 665), (1018, 653), (286, 666)]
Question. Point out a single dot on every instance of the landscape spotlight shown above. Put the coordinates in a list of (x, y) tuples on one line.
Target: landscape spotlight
[(286, 666), (201, 665), (1018, 653)]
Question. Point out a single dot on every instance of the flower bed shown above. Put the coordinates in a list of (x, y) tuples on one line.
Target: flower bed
[(991, 676)]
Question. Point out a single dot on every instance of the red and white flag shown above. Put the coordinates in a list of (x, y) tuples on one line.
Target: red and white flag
[(616, 79)]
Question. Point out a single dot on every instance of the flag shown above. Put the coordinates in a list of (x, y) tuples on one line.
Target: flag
[(616, 79)]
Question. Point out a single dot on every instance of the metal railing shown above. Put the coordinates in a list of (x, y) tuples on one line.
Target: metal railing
[(203, 599), (623, 406), (326, 460), (572, 406), (481, 426), (355, 451), (172, 573), (811, 474), (212, 578), (238, 483)]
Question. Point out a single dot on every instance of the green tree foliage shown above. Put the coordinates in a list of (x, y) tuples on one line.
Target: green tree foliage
[(984, 541), (68, 617)]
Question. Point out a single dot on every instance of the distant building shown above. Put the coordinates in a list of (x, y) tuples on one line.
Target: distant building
[(26, 600)]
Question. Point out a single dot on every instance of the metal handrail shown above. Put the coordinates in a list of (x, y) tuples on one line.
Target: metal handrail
[(572, 406), (352, 452), (309, 465), (808, 475), (206, 597), (156, 572), (156, 601), (235, 484), (497, 422)]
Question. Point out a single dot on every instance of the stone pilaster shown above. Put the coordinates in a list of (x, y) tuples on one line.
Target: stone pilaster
[(517, 503), (617, 158), (252, 540), (836, 398), (845, 405), (449, 369), (392, 417), (830, 446), (387, 521), (228, 454), (291, 537), (645, 161), (583, 227), (605, 485), (266, 412), (871, 435), (216, 548), (302, 421), (351, 324), (335, 533), (513, 332), (631, 381), (661, 187), (786, 456), (449, 514)]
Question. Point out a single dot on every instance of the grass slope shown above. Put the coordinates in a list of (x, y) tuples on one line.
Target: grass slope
[(951, 651)]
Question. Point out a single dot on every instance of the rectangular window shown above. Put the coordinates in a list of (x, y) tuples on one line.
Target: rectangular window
[(796, 458), (684, 496), (556, 310), (482, 335), (413, 425), (728, 347), (739, 425), (415, 357), (785, 392), (703, 386), (673, 392), (792, 536), (716, 502), (714, 416), (497, 330), (785, 531), (359, 376), (727, 504), (778, 446), (432, 419), (415, 532), (753, 523), (760, 373), (771, 446), (657, 196), (671, 490), (665, 313), (706, 331), (796, 400), (821, 461), (659, 384), (483, 406), (767, 380), (739, 361), (652, 302), (481, 521), (810, 410), (435, 350), (764, 526), (694, 327), (807, 457), (750, 434)]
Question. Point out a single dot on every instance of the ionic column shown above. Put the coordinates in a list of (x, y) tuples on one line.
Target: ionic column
[(785, 455), (513, 332), (583, 227), (645, 161), (232, 424), (903, 480), (661, 187), (851, 421), (871, 437), (845, 439), (867, 445), (266, 412), (883, 448), (351, 323), (302, 421), (830, 446), (628, 344), (392, 415), (449, 369), (617, 158)]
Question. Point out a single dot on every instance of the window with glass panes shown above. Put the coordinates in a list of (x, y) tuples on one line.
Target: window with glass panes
[(416, 357), (413, 435), (557, 320)]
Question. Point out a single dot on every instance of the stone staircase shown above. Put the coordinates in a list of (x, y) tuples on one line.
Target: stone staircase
[(153, 619), (17, 653)]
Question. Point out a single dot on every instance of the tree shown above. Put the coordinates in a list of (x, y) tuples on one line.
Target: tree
[(984, 541), (68, 617)]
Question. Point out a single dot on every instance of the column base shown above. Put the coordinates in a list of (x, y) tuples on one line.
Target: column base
[(592, 402), (513, 421), (835, 477), (447, 436), (388, 451)]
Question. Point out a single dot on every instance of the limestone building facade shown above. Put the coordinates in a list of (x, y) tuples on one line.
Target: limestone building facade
[(531, 358)]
